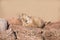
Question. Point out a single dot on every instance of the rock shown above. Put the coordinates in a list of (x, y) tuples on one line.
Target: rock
[(32, 29), (55, 25), (52, 34), (27, 33), (7, 34), (52, 31), (14, 21), (3, 24)]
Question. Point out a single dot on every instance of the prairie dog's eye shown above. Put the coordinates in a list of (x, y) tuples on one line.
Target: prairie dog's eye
[(26, 21)]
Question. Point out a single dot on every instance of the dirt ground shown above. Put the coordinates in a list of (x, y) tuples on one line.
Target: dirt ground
[(50, 31)]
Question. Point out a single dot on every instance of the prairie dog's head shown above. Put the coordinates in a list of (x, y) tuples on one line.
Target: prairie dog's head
[(26, 19)]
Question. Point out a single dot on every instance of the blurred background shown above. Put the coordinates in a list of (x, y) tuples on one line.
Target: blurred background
[(48, 10)]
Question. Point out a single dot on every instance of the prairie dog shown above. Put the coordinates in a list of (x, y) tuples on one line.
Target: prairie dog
[(3, 24), (31, 21)]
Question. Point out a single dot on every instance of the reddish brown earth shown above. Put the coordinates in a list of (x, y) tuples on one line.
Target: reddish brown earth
[(50, 31)]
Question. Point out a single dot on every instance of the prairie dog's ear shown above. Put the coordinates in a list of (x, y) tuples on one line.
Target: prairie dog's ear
[(20, 16), (23, 14)]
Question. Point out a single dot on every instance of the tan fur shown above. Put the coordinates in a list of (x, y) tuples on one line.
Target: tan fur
[(31, 21)]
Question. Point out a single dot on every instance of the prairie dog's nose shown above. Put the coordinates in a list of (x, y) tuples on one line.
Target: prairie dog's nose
[(3, 24)]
